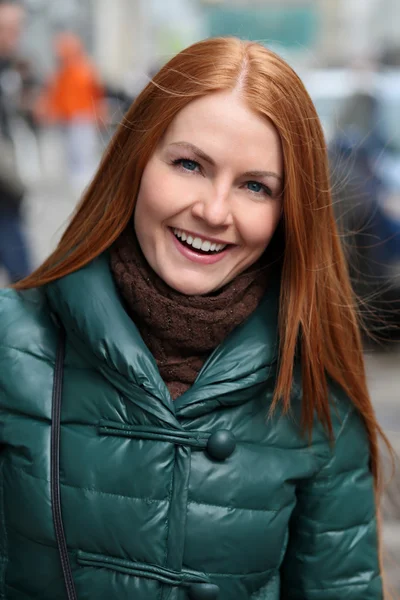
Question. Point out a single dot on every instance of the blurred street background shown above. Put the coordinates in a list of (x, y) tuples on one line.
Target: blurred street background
[(69, 69)]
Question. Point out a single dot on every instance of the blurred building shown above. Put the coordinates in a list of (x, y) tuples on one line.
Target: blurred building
[(130, 37), (317, 32), (354, 30), (125, 37)]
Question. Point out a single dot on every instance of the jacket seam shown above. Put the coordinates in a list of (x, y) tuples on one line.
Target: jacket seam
[(50, 359), (93, 491), (369, 523), (101, 493), (35, 541), (338, 474), (344, 586), (26, 415)]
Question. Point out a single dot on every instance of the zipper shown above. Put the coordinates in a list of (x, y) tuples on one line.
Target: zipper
[(55, 468)]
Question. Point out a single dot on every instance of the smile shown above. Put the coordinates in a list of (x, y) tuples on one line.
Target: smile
[(198, 249), (198, 243)]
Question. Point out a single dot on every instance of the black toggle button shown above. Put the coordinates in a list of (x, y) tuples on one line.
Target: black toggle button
[(203, 591), (221, 444)]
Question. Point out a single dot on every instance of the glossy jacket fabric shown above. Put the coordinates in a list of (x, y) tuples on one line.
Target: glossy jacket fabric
[(201, 498)]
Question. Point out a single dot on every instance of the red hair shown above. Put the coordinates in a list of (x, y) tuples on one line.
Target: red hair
[(317, 303)]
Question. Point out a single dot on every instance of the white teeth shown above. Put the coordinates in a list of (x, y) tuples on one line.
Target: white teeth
[(198, 243)]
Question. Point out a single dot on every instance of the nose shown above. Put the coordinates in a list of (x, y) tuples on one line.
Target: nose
[(214, 208)]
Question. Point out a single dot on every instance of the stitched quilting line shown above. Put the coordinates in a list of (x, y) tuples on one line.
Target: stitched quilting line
[(53, 546), (20, 413), (122, 496), (345, 472), (344, 586), (152, 500), (307, 532), (47, 359), (94, 491)]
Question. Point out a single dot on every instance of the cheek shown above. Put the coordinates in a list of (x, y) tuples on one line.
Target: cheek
[(258, 225), (159, 201), (150, 202)]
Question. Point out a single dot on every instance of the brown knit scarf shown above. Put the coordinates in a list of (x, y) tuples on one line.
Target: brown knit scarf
[(180, 331)]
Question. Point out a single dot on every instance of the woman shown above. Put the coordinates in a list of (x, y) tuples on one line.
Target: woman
[(184, 406)]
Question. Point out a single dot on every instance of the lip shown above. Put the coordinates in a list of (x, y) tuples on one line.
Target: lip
[(202, 259), (202, 236)]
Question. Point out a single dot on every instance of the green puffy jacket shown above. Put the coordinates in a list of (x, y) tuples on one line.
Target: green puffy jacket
[(111, 491)]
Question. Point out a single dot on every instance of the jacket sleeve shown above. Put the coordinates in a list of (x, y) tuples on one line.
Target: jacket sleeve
[(333, 543)]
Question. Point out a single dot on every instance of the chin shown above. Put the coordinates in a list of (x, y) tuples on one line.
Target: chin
[(190, 288)]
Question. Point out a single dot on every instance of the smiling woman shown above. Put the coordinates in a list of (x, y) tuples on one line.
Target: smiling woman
[(202, 187), (183, 404)]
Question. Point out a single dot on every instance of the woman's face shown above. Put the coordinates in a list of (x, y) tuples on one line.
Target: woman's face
[(210, 197)]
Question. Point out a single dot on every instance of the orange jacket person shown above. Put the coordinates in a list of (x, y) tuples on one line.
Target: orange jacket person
[(75, 90), (74, 98)]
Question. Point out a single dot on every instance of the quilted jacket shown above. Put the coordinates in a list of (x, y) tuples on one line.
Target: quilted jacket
[(112, 491)]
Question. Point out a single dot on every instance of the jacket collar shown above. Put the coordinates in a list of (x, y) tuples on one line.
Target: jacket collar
[(90, 308)]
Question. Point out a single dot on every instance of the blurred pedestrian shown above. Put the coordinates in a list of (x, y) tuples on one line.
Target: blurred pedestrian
[(372, 238), (30, 90), (13, 247), (74, 98), (183, 401)]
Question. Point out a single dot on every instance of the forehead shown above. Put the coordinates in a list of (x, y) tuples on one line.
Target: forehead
[(223, 125)]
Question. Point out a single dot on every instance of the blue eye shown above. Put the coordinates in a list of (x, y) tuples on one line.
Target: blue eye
[(190, 165), (254, 186), (257, 188), (187, 164)]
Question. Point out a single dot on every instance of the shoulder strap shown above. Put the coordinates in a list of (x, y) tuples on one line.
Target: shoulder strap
[(55, 467)]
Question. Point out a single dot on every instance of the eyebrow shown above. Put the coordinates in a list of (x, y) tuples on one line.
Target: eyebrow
[(208, 159)]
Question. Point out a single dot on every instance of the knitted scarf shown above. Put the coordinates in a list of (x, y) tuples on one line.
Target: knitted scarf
[(180, 331)]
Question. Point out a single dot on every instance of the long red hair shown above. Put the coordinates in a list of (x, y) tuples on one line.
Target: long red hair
[(317, 303)]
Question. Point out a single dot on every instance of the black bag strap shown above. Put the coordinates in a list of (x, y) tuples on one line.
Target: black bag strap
[(55, 467)]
